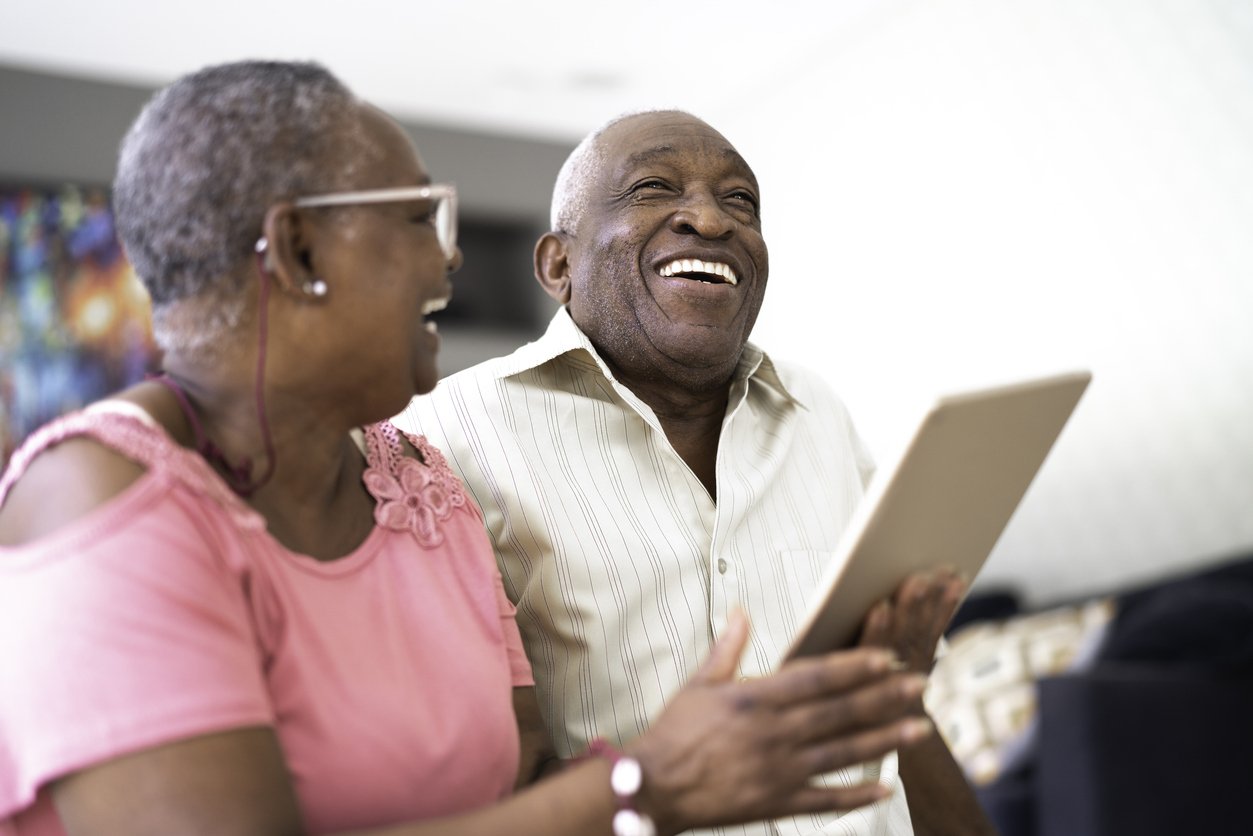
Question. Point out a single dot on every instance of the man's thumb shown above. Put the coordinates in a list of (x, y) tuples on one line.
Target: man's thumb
[(724, 658)]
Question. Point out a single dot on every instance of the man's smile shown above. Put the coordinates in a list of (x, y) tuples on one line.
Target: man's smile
[(711, 272)]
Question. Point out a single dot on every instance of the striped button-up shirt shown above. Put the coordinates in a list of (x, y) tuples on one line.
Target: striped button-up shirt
[(622, 566)]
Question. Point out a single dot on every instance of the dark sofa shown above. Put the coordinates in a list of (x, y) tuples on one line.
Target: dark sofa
[(1155, 734)]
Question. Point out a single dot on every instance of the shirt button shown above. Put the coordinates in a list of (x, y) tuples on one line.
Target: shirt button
[(722, 566)]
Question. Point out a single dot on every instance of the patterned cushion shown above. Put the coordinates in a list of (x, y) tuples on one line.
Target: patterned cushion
[(982, 691)]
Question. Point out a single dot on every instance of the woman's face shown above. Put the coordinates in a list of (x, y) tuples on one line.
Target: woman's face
[(385, 272)]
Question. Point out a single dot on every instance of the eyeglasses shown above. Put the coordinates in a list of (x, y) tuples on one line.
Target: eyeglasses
[(443, 212)]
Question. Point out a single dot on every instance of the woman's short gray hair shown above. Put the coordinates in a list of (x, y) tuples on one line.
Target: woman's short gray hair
[(210, 153)]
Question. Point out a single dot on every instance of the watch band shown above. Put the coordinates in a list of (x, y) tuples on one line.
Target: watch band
[(626, 778)]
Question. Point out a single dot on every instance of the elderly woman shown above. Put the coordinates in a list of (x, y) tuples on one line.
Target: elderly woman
[(232, 601)]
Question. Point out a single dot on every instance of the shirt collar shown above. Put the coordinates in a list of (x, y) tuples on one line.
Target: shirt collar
[(564, 338)]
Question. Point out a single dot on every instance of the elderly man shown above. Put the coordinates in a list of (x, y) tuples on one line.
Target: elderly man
[(643, 469)]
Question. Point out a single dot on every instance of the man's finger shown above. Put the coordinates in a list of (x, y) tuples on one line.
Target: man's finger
[(876, 630)]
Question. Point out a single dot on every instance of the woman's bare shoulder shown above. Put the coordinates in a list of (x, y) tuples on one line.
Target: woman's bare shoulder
[(64, 482)]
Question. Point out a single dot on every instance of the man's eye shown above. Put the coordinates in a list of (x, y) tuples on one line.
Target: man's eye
[(747, 198), (647, 185)]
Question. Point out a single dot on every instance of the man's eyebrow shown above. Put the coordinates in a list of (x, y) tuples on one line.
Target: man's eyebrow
[(648, 155), (658, 152)]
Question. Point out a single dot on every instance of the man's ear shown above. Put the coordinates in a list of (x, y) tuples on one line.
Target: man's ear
[(287, 255), (552, 266)]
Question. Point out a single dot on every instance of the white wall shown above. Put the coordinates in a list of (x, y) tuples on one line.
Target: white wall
[(960, 192)]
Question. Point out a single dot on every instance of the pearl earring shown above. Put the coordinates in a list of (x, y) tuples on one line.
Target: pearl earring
[(317, 287)]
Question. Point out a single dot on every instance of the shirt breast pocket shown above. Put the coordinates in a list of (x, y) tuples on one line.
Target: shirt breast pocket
[(803, 572)]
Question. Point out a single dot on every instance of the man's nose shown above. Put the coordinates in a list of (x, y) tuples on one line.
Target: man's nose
[(701, 214), (454, 263)]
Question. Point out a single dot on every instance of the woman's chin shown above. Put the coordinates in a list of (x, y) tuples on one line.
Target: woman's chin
[(425, 380)]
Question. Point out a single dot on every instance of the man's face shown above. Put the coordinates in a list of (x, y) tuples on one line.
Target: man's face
[(668, 265)]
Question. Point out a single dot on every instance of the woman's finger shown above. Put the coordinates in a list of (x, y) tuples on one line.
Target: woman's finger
[(821, 677), (870, 707), (813, 799), (868, 745), (724, 658)]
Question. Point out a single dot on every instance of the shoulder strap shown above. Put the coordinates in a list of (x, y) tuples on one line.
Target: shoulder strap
[(383, 449)]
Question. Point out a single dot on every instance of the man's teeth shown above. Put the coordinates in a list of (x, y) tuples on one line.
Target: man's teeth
[(695, 265), (430, 306)]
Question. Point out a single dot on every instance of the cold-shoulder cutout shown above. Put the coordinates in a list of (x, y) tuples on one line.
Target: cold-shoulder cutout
[(81, 461), (63, 483)]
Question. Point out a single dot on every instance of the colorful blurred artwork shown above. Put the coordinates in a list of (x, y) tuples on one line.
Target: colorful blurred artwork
[(74, 321)]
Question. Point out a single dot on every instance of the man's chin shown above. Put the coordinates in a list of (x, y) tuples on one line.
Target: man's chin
[(703, 357), (703, 345)]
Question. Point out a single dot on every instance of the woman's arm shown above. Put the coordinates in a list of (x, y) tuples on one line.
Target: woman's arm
[(723, 751)]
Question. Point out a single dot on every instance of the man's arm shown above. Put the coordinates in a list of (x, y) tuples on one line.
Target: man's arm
[(941, 800), (537, 756)]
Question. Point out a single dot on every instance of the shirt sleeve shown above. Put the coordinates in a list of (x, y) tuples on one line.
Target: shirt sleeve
[(519, 665), (125, 630)]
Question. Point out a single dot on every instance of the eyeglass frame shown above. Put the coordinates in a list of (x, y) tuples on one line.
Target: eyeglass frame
[(435, 191)]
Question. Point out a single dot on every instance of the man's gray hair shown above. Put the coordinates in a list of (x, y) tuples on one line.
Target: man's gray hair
[(579, 170), (207, 157)]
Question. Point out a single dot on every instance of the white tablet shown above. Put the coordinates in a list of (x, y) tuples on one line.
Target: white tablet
[(944, 502)]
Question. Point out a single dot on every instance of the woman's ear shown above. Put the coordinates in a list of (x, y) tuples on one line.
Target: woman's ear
[(287, 252), (552, 266)]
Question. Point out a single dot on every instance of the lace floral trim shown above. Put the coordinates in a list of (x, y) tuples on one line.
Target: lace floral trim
[(412, 496)]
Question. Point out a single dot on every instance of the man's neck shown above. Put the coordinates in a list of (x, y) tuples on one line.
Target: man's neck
[(690, 414)]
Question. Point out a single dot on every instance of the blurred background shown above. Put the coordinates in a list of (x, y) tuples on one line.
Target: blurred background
[(956, 193)]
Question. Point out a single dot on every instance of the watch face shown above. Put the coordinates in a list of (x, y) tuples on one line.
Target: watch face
[(626, 777)]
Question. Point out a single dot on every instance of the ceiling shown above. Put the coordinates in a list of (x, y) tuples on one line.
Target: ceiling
[(549, 70)]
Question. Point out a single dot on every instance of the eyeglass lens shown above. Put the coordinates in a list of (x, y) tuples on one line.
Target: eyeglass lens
[(446, 224)]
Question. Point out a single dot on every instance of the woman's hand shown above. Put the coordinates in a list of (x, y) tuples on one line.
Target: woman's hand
[(726, 751)]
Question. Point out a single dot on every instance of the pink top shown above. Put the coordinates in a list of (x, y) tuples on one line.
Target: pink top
[(170, 612)]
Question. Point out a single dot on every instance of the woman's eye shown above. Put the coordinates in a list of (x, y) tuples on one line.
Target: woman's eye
[(423, 213)]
